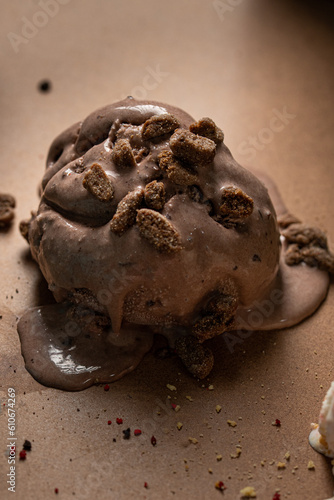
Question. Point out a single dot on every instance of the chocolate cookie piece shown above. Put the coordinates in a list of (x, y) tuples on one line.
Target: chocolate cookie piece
[(192, 148), (207, 128), (122, 154), (158, 231), (7, 205), (159, 125), (198, 359), (98, 183), (235, 205), (126, 212), (154, 195)]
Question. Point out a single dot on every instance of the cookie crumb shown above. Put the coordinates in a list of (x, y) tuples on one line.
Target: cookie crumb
[(308, 244), (236, 205), (237, 452), (192, 148), (177, 173), (126, 212), (207, 128), (7, 205), (154, 195), (159, 125), (310, 465), (198, 359), (98, 183), (281, 465), (248, 492), (220, 486), (157, 229), (122, 154)]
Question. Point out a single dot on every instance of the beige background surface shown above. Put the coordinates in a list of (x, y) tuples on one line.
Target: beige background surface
[(241, 63)]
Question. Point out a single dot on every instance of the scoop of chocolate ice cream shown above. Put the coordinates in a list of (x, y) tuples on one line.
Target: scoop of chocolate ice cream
[(147, 224)]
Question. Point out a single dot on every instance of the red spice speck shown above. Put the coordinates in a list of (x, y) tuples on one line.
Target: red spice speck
[(276, 496), (119, 421), (173, 406), (220, 486), (153, 441), (145, 485), (109, 422), (23, 454), (106, 387), (137, 432), (56, 491), (277, 423)]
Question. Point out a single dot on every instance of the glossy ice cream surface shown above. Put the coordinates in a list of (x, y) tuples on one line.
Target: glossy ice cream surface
[(148, 225)]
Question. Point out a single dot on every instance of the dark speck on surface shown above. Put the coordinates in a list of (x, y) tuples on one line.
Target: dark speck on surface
[(44, 86)]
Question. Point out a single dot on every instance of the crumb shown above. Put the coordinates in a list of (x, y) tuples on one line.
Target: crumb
[(159, 125), (7, 205), (231, 423), (122, 154), (220, 486), (171, 387), (218, 315), (193, 440), (219, 458), (44, 86), (281, 465), (126, 433), (126, 212), (154, 195), (248, 492), (218, 408), (309, 245), (311, 465), (189, 398), (237, 453), (176, 172), (158, 231), (98, 183), (179, 425), (286, 220), (192, 148), (287, 455), (198, 359), (27, 445), (236, 205), (207, 128)]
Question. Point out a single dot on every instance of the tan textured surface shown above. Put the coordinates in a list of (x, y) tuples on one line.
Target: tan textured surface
[(241, 63)]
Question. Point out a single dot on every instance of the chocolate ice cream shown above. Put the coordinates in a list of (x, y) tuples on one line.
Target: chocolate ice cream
[(148, 225)]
